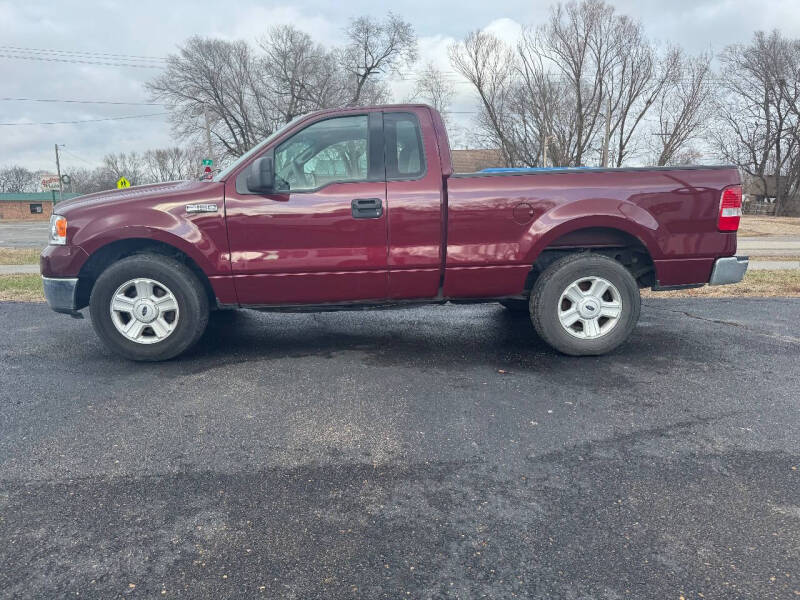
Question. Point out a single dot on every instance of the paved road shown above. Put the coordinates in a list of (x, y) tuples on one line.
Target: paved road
[(23, 235), (774, 245), (773, 265), (441, 452), (18, 269)]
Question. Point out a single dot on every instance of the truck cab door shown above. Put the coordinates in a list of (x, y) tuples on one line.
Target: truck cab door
[(416, 203), (320, 235)]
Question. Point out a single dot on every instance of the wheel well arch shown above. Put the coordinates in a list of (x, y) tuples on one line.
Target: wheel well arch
[(106, 255), (613, 242)]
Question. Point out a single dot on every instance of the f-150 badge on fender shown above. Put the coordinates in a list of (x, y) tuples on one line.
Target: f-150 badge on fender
[(201, 208)]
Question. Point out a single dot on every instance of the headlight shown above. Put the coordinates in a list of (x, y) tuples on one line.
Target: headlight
[(58, 230)]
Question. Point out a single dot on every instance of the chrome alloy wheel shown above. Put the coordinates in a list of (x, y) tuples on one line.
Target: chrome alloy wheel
[(144, 311), (589, 308)]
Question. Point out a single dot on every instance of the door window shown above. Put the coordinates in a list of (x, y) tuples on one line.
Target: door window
[(322, 153)]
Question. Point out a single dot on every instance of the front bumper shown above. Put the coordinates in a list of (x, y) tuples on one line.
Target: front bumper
[(61, 294), (62, 261), (730, 269)]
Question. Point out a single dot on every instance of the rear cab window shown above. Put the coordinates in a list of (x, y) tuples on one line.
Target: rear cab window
[(404, 151)]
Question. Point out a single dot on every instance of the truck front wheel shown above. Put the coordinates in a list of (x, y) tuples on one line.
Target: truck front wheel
[(148, 307), (585, 304)]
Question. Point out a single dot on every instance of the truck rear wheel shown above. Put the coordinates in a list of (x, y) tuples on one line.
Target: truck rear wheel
[(585, 304), (148, 307)]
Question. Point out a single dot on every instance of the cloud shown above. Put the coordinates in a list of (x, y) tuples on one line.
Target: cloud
[(252, 22), (506, 29), (156, 28)]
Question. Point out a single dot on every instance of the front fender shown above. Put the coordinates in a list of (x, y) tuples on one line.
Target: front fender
[(202, 237)]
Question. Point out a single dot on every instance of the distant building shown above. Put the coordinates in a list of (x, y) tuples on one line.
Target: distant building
[(29, 207), (754, 188), (469, 161), (759, 194)]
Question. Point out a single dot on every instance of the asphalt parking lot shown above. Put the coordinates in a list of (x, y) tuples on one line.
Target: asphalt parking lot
[(440, 452)]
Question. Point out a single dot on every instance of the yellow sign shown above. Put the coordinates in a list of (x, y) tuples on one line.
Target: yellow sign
[(123, 183)]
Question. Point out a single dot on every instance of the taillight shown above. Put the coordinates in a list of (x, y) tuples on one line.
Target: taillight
[(730, 208)]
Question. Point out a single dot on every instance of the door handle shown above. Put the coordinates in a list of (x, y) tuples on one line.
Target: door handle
[(367, 208)]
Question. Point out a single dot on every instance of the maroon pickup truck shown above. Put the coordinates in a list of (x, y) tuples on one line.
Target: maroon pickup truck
[(360, 207)]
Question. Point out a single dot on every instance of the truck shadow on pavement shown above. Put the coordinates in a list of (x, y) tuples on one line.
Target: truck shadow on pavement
[(425, 338)]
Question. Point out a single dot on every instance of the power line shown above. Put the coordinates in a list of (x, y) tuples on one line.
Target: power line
[(85, 62), (85, 120), (78, 157), (114, 102), (137, 57)]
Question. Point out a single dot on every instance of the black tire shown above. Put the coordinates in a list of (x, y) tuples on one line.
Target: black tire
[(546, 297), (516, 305), (191, 299)]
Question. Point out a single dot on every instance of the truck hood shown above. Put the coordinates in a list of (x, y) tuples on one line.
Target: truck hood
[(140, 193)]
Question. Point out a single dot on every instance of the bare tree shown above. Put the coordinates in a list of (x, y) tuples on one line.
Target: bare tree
[(130, 165), (89, 181), (786, 71), (299, 75), (540, 112), (152, 166), (585, 68), (219, 80), (172, 164), (639, 80), (489, 65), (375, 48), (434, 88), (245, 94), (584, 44), (683, 109), (16, 179), (757, 126)]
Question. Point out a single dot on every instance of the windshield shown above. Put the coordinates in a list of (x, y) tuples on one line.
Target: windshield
[(254, 150)]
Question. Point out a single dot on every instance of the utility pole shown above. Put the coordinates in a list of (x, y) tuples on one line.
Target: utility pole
[(666, 143), (58, 169), (545, 138), (208, 133), (607, 138)]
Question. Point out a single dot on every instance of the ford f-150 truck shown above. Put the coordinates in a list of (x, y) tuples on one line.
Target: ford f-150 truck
[(360, 207)]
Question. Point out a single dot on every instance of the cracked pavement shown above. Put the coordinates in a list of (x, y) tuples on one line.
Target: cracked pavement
[(434, 452)]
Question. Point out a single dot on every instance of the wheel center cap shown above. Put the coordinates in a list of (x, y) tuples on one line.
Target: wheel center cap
[(145, 311), (589, 308)]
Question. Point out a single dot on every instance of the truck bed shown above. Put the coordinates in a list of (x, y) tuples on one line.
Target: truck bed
[(499, 222)]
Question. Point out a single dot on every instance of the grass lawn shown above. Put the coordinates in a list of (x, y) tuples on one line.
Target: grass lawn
[(783, 258), (756, 284), (755, 226), (21, 288), (19, 256)]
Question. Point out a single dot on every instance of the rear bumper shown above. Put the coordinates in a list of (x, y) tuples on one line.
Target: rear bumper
[(727, 270), (61, 293)]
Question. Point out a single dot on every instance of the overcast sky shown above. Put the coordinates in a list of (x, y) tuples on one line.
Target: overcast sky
[(154, 29)]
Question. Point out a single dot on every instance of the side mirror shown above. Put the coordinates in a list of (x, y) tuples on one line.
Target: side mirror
[(261, 175)]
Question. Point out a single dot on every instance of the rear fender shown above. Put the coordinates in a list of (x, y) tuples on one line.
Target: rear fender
[(593, 213)]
